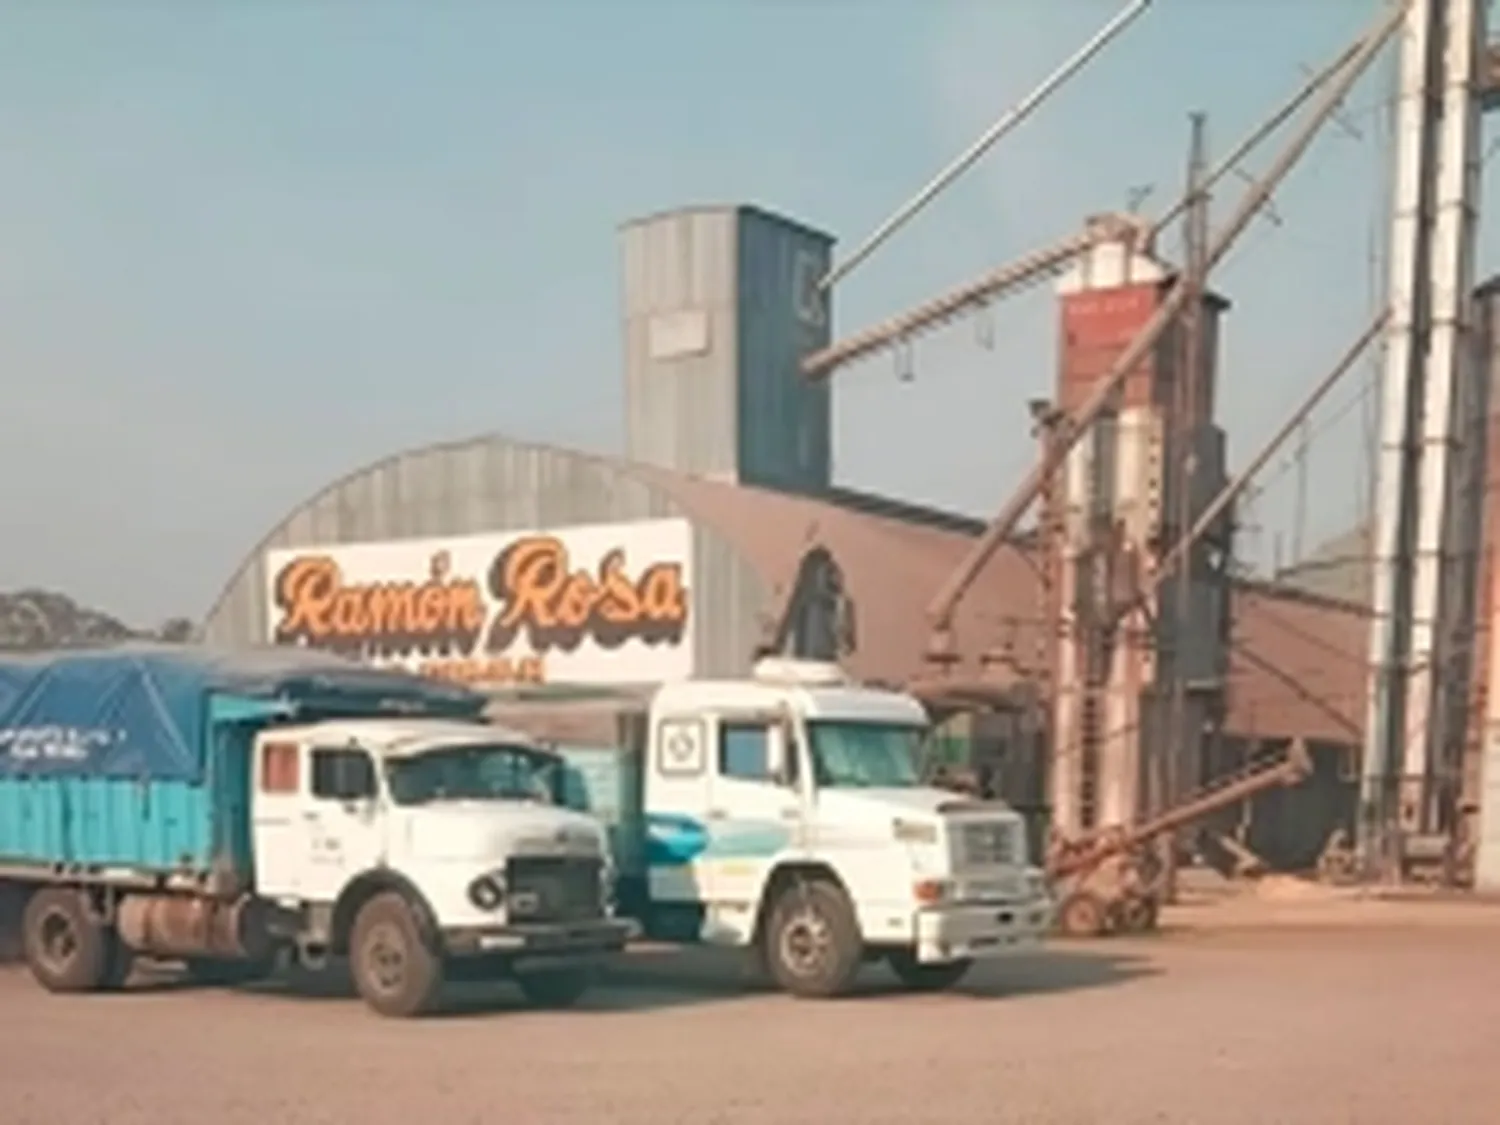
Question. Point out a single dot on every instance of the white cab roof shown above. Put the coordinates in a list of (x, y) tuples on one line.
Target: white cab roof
[(400, 738), (816, 701)]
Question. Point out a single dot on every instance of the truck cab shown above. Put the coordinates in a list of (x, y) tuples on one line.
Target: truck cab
[(788, 813), (223, 808), (424, 848)]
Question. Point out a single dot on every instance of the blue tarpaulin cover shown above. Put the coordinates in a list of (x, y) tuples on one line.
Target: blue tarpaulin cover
[(141, 711)]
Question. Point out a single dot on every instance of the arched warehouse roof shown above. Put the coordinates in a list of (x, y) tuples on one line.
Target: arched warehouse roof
[(1301, 670), (754, 542)]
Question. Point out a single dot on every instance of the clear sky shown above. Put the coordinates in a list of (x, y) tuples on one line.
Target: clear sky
[(250, 246)]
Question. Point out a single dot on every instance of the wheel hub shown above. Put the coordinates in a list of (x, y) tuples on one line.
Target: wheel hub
[(805, 942), (59, 939), (385, 957)]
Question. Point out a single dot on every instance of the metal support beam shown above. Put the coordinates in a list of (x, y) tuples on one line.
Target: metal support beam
[(1033, 267), (1047, 261), (1071, 429), (1437, 681), (966, 159), (1425, 515), (1231, 162), (1232, 491)]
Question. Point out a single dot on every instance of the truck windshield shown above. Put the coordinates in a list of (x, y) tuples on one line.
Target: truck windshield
[(473, 773), (865, 755)]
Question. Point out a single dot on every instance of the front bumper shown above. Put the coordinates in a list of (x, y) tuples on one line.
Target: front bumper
[(976, 930), (556, 939)]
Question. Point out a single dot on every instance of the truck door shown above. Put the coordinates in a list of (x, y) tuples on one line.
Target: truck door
[(277, 805), (344, 820), (677, 789), (317, 818), (753, 814)]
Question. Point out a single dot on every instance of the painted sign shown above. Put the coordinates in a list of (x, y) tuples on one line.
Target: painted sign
[(606, 603), (1108, 318), (53, 742)]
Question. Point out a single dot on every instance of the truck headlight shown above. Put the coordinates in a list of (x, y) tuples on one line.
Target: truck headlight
[(914, 831), (487, 892)]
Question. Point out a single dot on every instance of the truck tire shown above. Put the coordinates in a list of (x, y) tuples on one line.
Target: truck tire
[(811, 942), (927, 977), (555, 988), (1140, 914), (1082, 915), (394, 970), (66, 949)]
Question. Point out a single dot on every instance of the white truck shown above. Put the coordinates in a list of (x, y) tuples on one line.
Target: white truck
[(223, 809), (787, 814)]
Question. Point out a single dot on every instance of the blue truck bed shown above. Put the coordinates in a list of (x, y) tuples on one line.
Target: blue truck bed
[(138, 757)]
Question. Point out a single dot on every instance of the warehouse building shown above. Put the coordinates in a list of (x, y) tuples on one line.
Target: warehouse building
[(719, 534)]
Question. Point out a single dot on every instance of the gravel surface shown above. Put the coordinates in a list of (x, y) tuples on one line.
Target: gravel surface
[(1379, 1014)]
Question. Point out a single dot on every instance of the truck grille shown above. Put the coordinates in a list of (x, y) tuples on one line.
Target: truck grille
[(987, 844), (553, 888)]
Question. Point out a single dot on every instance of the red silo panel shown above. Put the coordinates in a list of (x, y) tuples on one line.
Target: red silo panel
[(1097, 326)]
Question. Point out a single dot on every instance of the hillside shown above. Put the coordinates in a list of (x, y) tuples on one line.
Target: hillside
[(43, 619)]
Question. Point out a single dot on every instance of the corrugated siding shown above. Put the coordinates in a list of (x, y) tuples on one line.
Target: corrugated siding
[(785, 428), (1337, 568), (732, 596), (493, 485), (1297, 668), (680, 409)]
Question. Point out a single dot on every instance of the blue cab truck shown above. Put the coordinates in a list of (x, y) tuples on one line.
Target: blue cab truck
[(225, 808)]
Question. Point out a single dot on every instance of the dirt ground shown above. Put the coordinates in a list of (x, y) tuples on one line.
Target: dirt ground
[(1247, 1011)]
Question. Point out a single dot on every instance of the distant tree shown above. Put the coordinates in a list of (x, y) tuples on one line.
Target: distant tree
[(33, 619), (177, 631)]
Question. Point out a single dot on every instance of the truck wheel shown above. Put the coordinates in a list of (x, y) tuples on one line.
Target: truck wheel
[(931, 977), (394, 970), (811, 941), (555, 988), (1081, 915), (1139, 915), (66, 950)]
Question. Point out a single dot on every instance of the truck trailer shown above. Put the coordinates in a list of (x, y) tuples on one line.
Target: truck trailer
[(228, 809), (787, 814)]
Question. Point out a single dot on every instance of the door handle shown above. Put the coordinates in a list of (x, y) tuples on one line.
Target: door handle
[(791, 814), (716, 814)]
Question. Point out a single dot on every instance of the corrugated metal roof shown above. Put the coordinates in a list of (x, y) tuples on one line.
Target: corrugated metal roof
[(1298, 666), (891, 569), (1298, 670), (1340, 567), (729, 209)]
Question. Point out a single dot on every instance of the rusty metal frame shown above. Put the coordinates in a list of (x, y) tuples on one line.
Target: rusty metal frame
[(1072, 427), (1048, 260)]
